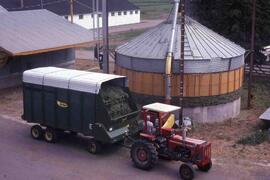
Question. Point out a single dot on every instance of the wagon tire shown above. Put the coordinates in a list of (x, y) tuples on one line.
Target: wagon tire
[(36, 132), (51, 135), (186, 171), (144, 155), (72, 133), (94, 147), (205, 168)]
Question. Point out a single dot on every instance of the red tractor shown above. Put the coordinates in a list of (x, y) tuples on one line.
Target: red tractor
[(160, 138)]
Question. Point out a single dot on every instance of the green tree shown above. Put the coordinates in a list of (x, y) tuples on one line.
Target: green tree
[(232, 19)]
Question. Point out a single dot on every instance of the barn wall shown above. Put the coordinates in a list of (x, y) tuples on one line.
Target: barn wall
[(10, 75)]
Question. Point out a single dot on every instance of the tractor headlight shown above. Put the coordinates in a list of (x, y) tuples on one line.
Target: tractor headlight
[(110, 129)]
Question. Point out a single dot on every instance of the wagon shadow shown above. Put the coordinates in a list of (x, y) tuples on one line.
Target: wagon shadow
[(80, 142)]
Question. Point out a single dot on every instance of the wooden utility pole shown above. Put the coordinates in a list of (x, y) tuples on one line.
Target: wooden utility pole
[(41, 4), (253, 32), (94, 19), (105, 36), (22, 3), (71, 11), (98, 29), (182, 58)]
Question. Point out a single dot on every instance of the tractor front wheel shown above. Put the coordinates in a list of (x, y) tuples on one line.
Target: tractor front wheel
[(205, 168), (186, 171), (144, 155)]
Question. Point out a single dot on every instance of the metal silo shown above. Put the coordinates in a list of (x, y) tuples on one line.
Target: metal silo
[(213, 77)]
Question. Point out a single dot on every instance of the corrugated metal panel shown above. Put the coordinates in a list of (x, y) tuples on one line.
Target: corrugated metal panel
[(26, 31), (3, 10), (201, 43), (191, 65)]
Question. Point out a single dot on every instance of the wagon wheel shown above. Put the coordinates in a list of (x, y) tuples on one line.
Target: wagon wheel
[(144, 155), (50, 135), (205, 168), (186, 171), (36, 132), (94, 147)]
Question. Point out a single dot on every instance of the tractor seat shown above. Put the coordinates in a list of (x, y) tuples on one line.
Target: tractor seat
[(170, 122)]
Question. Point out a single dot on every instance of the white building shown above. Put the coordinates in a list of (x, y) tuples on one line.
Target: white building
[(116, 18), (121, 12)]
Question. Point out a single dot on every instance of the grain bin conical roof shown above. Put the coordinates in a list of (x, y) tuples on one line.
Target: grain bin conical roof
[(201, 43), (205, 50)]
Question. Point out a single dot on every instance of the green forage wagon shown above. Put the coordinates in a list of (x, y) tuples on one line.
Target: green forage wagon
[(96, 105)]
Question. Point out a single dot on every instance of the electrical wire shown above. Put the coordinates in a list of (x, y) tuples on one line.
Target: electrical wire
[(83, 4), (37, 5)]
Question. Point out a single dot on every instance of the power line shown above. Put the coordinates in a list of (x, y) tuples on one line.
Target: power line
[(83, 4), (37, 5)]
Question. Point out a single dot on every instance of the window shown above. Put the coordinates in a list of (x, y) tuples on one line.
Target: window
[(81, 16), (131, 12), (125, 12), (119, 13), (112, 13), (136, 12)]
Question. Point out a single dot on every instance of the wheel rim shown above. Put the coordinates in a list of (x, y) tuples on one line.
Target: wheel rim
[(35, 133), (186, 172), (49, 136), (142, 155)]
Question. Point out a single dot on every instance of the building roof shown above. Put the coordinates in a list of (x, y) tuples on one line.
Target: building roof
[(83, 81), (2, 9), (201, 43), (62, 7), (37, 31)]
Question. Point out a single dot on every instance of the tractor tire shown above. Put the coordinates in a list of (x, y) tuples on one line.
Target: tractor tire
[(186, 171), (51, 135), (36, 132), (144, 155), (205, 168), (94, 147)]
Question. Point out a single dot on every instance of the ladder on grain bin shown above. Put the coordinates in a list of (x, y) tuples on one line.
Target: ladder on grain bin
[(170, 55)]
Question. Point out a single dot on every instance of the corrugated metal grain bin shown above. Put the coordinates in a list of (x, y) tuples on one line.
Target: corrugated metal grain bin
[(94, 104)]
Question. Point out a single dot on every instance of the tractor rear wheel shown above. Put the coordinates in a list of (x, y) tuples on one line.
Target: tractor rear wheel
[(36, 132), (50, 135), (144, 155), (186, 171), (94, 147), (205, 168)]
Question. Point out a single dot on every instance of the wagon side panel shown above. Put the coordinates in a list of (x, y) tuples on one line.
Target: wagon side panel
[(88, 112), (75, 110), (49, 106), (62, 109)]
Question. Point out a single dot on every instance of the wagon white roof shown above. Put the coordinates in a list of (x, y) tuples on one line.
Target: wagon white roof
[(160, 107), (71, 79)]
